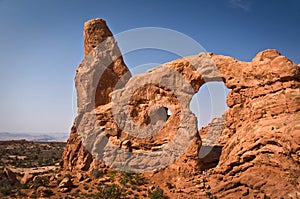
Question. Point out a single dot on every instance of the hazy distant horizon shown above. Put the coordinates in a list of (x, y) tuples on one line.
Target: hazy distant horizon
[(36, 137), (34, 133)]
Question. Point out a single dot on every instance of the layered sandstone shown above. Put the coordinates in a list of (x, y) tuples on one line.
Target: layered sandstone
[(260, 155), (123, 121), (255, 152)]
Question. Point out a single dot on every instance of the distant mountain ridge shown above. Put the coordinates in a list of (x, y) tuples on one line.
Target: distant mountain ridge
[(35, 137)]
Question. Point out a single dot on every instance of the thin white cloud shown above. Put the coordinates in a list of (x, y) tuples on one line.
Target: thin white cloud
[(243, 4)]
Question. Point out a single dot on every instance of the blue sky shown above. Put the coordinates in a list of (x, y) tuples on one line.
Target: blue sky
[(41, 45)]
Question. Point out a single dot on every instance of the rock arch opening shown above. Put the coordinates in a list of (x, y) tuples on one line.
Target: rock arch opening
[(209, 105), (209, 102)]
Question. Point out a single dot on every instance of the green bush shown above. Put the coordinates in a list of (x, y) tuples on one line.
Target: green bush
[(7, 187), (85, 187), (133, 179), (112, 191), (138, 179), (40, 181), (112, 175), (209, 195), (67, 175), (157, 194), (33, 195), (170, 186), (5, 190), (125, 178)]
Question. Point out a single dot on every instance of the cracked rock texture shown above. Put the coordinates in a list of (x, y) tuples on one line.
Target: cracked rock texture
[(252, 151)]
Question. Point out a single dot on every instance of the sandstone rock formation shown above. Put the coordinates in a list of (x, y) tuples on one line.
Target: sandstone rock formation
[(76, 156), (26, 178), (212, 145), (123, 123), (261, 145), (259, 141)]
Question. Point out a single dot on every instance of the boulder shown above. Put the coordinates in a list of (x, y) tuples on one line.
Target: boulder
[(26, 178), (66, 183), (44, 192)]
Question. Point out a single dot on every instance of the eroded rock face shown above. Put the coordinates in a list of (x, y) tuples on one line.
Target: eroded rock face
[(110, 72), (212, 144), (95, 32), (259, 138)]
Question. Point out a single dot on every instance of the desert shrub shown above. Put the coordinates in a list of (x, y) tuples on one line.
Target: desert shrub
[(58, 181), (19, 192), (112, 175), (76, 193), (125, 178), (138, 179), (67, 175), (33, 195), (208, 194), (112, 191), (157, 194), (24, 186), (134, 187), (96, 173), (133, 179), (170, 186), (40, 181), (40, 162), (6, 189), (7, 186), (85, 187)]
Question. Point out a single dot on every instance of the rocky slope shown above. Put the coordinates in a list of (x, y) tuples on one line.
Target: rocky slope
[(255, 145)]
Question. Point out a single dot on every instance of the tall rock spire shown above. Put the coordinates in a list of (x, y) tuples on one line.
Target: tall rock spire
[(95, 32), (97, 38)]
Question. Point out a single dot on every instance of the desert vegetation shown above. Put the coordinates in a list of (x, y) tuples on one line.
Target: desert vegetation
[(24, 154)]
